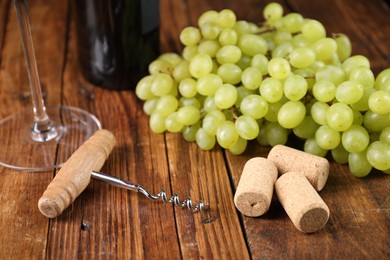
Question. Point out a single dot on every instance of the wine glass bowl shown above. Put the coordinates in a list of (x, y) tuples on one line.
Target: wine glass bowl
[(45, 136)]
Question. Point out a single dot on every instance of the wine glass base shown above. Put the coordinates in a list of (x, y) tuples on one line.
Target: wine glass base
[(19, 151)]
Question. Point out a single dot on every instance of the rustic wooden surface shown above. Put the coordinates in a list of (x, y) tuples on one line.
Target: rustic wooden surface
[(107, 222)]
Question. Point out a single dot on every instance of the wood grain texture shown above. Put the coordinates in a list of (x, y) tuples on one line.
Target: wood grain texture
[(106, 222)]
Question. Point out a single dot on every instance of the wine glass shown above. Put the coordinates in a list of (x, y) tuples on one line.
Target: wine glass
[(41, 138)]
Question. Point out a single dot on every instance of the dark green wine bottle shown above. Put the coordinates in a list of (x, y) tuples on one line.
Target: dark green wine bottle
[(116, 40)]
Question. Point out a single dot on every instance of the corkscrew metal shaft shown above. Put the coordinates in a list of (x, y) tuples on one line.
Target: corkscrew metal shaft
[(187, 203)]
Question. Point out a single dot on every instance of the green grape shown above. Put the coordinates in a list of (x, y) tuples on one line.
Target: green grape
[(311, 146), (190, 36), (194, 101), (254, 106), (251, 44), (207, 17), (260, 62), (188, 115), (212, 120), (324, 91), (279, 68), (302, 57), (281, 37), (160, 66), (362, 103), (204, 140), (363, 75), (327, 138), (242, 92), (349, 92), (209, 104), (209, 47), (189, 132), (189, 52), (261, 137), (187, 87), (317, 65), (275, 134), (228, 54), (247, 128), (313, 30), (293, 22), (358, 118), (383, 76), (181, 71), (385, 85), (344, 46), (272, 11), (378, 154), (299, 41), (355, 139), (157, 122), (173, 58), (291, 114), (271, 89), (244, 62), (355, 61), (228, 37), (227, 135), (379, 102), (308, 74), (339, 117), (307, 128), (167, 105), (201, 65), (239, 147), (318, 112), (174, 90), (242, 27), (143, 90), (161, 84), (225, 96), (251, 78), (295, 87), (273, 110), (324, 49), (331, 73), (209, 31), (208, 84), (172, 125), (282, 50), (230, 73), (385, 135), (374, 122), (226, 19), (358, 164), (340, 155), (150, 105)]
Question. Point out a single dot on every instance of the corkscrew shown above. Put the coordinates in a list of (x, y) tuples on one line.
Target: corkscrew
[(162, 195), (84, 164)]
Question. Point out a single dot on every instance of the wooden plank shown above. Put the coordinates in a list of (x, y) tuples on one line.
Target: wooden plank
[(4, 6), (198, 173), (24, 228), (108, 221), (358, 226)]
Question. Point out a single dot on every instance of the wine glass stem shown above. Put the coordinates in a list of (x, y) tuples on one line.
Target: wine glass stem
[(43, 129)]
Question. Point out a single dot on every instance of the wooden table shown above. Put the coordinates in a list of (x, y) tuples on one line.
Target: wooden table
[(108, 222)]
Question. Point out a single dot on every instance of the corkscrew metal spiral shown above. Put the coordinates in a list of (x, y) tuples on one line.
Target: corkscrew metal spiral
[(162, 195)]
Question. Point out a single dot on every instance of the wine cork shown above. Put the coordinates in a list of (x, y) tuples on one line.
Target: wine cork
[(255, 188), (287, 159), (300, 200)]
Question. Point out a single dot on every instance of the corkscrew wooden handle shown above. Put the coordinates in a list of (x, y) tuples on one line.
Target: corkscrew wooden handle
[(75, 175)]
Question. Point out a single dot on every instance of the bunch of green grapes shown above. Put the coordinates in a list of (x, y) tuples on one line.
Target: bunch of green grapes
[(237, 81)]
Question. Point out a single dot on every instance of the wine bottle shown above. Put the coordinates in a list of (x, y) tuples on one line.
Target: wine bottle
[(116, 40)]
